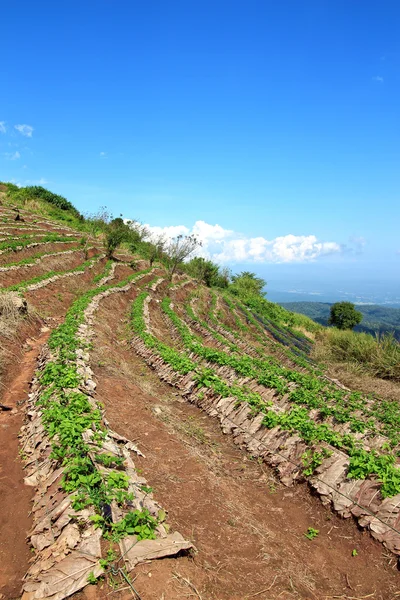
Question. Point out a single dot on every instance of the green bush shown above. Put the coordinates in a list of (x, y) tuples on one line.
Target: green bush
[(344, 315)]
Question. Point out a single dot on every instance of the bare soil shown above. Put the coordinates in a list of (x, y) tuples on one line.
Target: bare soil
[(15, 496)]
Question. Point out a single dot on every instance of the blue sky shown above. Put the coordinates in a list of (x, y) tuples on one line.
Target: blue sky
[(268, 119)]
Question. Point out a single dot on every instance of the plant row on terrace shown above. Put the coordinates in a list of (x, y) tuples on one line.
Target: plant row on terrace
[(310, 392), (67, 414), (19, 287)]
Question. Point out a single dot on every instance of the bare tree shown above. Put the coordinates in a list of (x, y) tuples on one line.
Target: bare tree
[(178, 250)]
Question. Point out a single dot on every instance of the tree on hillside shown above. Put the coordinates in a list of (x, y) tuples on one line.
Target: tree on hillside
[(205, 271), (153, 248), (178, 250), (96, 223), (247, 284), (118, 231), (344, 315)]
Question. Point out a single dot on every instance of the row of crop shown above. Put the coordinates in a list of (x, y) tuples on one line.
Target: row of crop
[(311, 394), (217, 336), (67, 414), (311, 391), (106, 272), (317, 393), (26, 241), (24, 285), (32, 260), (385, 411), (235, 306), (296, 355), (181, 363)]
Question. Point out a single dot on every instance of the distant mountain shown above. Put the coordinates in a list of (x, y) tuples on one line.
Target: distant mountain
[(375, 318)]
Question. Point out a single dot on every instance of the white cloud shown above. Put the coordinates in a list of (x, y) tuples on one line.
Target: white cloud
[(227, 246), (41, 181), (3, 127), (378, 79), (25, 130), (168, 232), (103, 154), (12, 155)]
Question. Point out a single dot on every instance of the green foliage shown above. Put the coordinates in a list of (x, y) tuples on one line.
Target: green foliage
[(344, 315), (118, 232), (247, 285), (138, 523), (207, 272), (67, 413), (91, 579), (37, 191), (376, 319), (311, 533)]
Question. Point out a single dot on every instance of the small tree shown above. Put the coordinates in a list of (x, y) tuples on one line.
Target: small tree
[(119, 231), (96, 223), (178, 249), (152, 249), (205, 271), (247, 284), (344, 315)]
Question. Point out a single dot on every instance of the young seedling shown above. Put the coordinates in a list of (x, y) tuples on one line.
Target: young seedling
[(311, 533)]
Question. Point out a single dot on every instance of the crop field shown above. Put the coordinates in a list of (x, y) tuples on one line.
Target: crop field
[(151, 417)]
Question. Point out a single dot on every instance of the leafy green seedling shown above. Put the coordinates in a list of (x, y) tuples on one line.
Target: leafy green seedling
[(311, 533), (91, 578)]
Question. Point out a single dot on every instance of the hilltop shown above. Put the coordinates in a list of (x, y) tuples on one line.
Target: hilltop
[(171, 411)]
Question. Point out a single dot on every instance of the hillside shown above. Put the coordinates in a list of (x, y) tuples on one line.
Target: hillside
[(146, 415), (376, 319)]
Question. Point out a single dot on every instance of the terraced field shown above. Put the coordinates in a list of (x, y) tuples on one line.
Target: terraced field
[(151, 419)]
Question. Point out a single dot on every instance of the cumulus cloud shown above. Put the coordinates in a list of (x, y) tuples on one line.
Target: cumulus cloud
[(3, 127), (227, 246), (25, 130), (103, 154), (378, 79), (12, 155)]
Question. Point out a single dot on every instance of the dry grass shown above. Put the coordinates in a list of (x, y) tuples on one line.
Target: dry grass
[(10, 318), (363, 353)]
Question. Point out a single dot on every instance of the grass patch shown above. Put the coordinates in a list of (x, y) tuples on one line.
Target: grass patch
[(378, 356)]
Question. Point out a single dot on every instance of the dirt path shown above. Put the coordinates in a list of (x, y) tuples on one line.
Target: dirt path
[(15, 496), (248, 529)]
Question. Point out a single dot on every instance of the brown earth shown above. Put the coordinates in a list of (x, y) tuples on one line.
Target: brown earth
[(23, 351), (247, 528), (15, 496), (11, 257), (61, 262)]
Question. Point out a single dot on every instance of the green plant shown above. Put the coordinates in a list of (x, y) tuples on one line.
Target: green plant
[(311, 533), (344, 315), (91, 579)]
